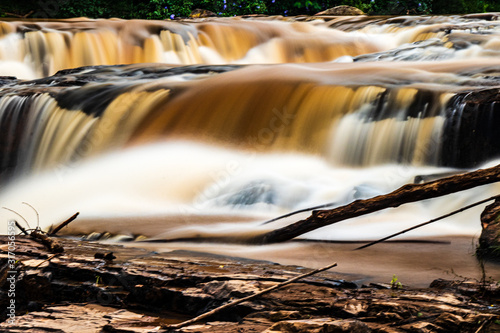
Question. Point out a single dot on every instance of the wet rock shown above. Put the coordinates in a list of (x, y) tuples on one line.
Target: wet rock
[(86, 318), (152, 289), (201, 13), (5, 80), (441, 284), (342, 11), (283, 315), (449, 322), (420, 327), (106, 256), (389, 317), (355, 307), (228, 289), (489, 241), (319, 325)]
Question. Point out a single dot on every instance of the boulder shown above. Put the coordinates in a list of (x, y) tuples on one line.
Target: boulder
[(201, 13), (342, 11), (489, 241)]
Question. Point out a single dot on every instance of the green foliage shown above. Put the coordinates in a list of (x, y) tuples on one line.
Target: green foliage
[(307, 4), (464, 6), (164, 9), (394, 283), (233, 7), (399, 7)]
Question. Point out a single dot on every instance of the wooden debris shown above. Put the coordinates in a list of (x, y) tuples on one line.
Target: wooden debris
[(50, 243), (496, 197), (48, 259), (20, 227), (63, 224), (405, 194)]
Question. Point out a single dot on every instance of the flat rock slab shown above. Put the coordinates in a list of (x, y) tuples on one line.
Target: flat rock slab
[(144, 291), (85, 318)]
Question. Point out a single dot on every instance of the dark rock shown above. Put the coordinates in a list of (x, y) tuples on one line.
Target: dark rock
[(342, 11), (283, 315), (4, 80), (449, 322), (108, 256), (489, 241), (441, 284), (320, 325), (152, 289), (34, 306), (389, 317), (201, 13), (420, 327), (355, 307)]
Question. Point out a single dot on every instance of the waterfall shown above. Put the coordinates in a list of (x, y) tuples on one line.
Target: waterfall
[(282, 96)]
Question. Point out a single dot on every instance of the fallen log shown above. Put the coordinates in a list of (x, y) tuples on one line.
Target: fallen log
[(496, 197), (405, 194)]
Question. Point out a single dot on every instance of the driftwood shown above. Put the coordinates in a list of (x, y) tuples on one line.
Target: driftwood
[(63, 224), (496, 197), (39, 236), (405, 194), (20, 227), (51, 244)]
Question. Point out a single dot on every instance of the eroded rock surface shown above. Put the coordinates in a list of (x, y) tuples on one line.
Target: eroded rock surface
[(342, 10), (489, 241), (143, 291)]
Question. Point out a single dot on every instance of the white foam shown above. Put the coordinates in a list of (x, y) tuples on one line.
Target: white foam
[(179, 178), (17, 69)]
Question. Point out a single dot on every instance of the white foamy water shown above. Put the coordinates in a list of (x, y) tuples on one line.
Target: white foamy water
[(178, 189)]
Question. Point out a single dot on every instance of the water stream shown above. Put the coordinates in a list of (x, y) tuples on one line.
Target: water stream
[(209, 127)]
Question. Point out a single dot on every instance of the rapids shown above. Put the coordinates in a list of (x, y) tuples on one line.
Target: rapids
[(209, 127)]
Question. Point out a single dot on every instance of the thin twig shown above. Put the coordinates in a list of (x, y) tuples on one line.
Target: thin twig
[(63, 224), (20, 16), (482, 326), (13, 211), (428, 222), (48, 259), (241, 300), (36, 212)]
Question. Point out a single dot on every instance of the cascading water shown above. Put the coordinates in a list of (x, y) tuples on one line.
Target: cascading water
[(338, 109)]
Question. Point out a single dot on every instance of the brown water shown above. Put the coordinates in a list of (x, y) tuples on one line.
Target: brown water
[(271, 115)]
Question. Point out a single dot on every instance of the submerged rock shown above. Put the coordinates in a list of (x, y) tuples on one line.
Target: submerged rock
[(342, 11)]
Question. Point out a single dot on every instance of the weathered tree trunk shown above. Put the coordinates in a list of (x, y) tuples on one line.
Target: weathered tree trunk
[(405, 194)]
